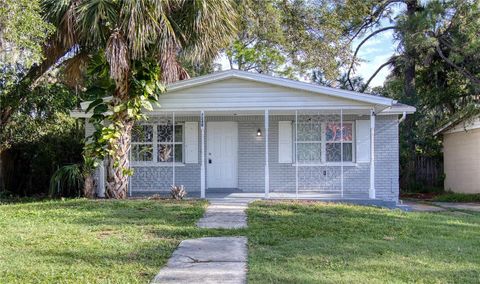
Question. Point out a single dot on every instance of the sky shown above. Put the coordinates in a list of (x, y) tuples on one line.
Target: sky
[(375, 52)]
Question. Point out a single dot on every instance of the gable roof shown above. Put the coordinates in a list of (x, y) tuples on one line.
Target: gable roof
[(208, 92), (283, 82), (464, 123)]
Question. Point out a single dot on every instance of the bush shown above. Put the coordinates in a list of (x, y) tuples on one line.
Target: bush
[(27, 166), (67, 181)]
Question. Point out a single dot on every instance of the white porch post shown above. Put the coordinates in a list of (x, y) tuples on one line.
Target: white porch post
[(267, 171), (341, 151), (101, 181), (371, 191), (173, 147), (202, 166), (296, 156)]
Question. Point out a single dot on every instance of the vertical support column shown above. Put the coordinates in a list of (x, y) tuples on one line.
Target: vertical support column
[(371, 191), (202, 166), (267, 166), (129, 177), (173, 147), (341, 151), (296, 152), (101, 181)]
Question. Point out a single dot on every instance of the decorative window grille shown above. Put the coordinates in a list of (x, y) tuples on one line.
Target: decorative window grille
[(319, 141), (333, 144), (142, 143), (166, 144), (146, 148)]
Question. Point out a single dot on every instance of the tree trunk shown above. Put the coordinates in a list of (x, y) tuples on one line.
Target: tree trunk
[(410, 54), (89, 186), (117, 180)]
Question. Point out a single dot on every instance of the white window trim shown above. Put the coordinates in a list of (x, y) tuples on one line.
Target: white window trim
[(155, 143), (323, 146)]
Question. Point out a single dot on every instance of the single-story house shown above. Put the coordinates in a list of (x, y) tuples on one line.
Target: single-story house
[(248, 132), (461, 155)]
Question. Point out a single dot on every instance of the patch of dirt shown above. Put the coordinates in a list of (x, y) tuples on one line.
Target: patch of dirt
[(106, 233), (420, 196)]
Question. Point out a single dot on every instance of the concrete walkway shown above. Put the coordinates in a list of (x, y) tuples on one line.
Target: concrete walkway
[(422, 207), (212, 260), (459, 205), (441, 206), (225, 214), (207, 260)]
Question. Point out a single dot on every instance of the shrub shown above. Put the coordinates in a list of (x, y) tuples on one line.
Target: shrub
[(67, 181), (28, 166), (178, 192)]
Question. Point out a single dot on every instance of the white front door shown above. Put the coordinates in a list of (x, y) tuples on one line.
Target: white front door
[(222, 152)]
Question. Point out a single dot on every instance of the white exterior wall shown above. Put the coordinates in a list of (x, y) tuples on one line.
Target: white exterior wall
[(461, 154)]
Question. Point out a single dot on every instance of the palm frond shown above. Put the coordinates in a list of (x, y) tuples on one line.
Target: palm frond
[(62, 14), (95, 21), (140, 23), (208, 26), (75, 69)]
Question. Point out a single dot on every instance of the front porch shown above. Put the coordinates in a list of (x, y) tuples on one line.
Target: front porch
[(321, 154)]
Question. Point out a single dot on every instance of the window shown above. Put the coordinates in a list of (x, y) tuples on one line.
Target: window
[(321, 142), (146, 148), (309, 142), (142, 143), (333, 137), (166, 146)]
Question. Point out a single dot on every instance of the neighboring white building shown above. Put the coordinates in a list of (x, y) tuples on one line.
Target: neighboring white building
[(211, 133), (461, 155)]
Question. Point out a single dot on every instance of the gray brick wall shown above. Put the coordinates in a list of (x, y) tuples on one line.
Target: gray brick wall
[(251, 155), (387, 158)]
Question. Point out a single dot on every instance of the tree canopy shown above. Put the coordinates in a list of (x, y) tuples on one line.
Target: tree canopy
[(288, 38)]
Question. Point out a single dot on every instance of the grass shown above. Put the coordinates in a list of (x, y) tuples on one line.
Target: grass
[(316, 243), (85, 241), (457, 197)]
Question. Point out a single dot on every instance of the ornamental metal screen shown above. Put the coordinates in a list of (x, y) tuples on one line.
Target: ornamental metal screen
[(156, 148), (323, 142)]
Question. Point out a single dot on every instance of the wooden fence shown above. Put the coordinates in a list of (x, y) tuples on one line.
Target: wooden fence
[(421, 172)]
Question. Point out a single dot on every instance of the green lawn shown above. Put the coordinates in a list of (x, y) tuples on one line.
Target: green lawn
[(318, 243), (84, 241), (457, 197)]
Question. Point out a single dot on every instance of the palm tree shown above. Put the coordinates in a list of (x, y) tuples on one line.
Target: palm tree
[(131, 31)]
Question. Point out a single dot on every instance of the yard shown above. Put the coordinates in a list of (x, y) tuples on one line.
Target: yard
[(82, 241), (318, 243)]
